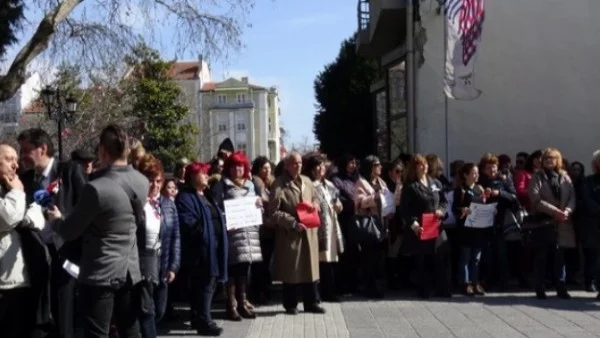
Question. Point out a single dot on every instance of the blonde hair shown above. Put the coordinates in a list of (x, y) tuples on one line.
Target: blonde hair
[(136, 153), (553, 152), (595, 159)]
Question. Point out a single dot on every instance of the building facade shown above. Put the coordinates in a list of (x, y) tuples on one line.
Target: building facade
[(537, 67), (11, 110), (246, 113), (191, 76)]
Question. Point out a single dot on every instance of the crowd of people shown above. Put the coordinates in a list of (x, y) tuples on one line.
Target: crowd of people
[(121, 238)]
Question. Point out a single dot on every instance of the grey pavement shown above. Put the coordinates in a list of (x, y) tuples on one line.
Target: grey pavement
[(503, 315)]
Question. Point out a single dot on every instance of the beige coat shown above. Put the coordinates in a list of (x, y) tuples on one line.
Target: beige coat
[(296, 255), (543, 201)]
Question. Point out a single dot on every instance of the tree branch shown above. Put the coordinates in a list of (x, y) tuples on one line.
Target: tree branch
[(15, 77)]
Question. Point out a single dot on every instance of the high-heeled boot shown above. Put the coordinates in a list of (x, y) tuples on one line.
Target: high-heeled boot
[(244, 307), (232, 312)]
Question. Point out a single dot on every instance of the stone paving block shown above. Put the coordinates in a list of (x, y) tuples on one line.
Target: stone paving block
[(509, 315)]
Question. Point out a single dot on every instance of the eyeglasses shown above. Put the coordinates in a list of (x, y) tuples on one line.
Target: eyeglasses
[(377, 164), (399, 171)]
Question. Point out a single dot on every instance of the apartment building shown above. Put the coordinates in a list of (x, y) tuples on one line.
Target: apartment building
[(191, 76), (11, 110), (246, 113), (537, 68)]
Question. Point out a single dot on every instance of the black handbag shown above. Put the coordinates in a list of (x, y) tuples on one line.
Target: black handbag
[(366, 228)]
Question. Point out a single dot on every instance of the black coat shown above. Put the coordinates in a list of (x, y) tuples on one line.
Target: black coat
[(37, 259), (72, 181), (418, 199)]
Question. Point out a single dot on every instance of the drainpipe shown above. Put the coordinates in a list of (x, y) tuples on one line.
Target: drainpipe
[(410, 78)]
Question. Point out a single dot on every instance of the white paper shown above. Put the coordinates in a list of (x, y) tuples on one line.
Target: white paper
[(481, 216), (242, 212), (71, 268), (388, 203)]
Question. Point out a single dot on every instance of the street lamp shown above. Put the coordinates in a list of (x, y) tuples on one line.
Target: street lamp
[(60, 109)]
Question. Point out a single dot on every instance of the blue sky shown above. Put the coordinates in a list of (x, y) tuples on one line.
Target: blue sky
[(288, 44)]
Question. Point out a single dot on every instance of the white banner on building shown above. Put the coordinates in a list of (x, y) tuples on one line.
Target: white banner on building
[(463, 26)]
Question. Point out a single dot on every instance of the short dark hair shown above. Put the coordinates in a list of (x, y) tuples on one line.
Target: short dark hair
[(37, 137), (113, 139), (522, 154)]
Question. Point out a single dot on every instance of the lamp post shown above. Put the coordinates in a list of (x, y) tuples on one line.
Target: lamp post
[(60, 109)]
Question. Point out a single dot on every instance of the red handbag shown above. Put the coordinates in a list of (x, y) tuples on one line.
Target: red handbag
[(308, 215)]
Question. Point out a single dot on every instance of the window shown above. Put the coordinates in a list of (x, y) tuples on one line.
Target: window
[(242, 146), (241, 98), (222, 98), (270, 124), (241, 126), (222, 126)]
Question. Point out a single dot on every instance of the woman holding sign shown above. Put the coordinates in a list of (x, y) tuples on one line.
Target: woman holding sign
[(423, 206), (471, 239), (244, 242)]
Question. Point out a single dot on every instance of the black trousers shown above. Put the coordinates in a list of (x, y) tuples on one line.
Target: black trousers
[(62, 295), (100, 303), (260, 273), (17, 312), (203, 288), (290, 295), (327, 283)]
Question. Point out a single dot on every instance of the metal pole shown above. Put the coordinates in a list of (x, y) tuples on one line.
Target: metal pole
[(410, 77), (447, 123), (60, 128)]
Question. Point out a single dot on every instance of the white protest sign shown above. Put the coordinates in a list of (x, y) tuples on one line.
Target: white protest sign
[(388, 203), (481, 216), (242, 212)]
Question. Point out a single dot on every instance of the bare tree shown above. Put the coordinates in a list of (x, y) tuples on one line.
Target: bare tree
[(100, 32), (304, 146)]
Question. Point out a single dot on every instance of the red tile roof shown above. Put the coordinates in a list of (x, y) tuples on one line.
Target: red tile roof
[(184, 70), (208, 87), (35, 107)]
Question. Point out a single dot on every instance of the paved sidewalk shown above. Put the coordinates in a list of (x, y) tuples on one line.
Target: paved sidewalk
[(504, 315)]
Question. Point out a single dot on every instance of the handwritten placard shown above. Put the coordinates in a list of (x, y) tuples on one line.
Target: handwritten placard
[(388, 203), (242, 212), (481, 216)]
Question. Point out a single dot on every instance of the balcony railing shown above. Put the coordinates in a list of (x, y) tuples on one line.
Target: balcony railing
[(363, 15), (232, 105)]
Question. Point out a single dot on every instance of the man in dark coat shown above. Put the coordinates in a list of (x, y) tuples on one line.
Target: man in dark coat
[(37, 152)]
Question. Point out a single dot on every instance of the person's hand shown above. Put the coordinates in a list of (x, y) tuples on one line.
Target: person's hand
[(567, 214), (479, 189), (440, 214), (12, 182), (464, 212), (259, 202), (53, 213), (300, 227), (495, 192), (170, 277), (416, 228), (337, 207)]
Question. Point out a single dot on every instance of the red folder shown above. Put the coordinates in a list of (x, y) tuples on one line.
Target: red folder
[(308, 215), (431, 226)]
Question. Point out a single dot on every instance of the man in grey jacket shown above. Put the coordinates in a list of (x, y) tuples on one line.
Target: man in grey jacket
[(105, 218)]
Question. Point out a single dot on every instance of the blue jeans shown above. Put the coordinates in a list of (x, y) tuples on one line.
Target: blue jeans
[(161, 294), (469, 265), (540, 261)]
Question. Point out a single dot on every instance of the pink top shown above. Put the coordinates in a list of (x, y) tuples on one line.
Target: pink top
[(522, 178)]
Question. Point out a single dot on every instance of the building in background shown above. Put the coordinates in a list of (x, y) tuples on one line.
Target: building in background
[(11, 110), (191, 76), (248, 114), (539, 79), (382, 35)]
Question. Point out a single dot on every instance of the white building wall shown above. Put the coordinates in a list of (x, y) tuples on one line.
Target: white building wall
[(538, 69)]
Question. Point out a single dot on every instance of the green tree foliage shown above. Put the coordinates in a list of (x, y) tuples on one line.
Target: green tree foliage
[(156, 101), (344, 122), (11, 14)]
